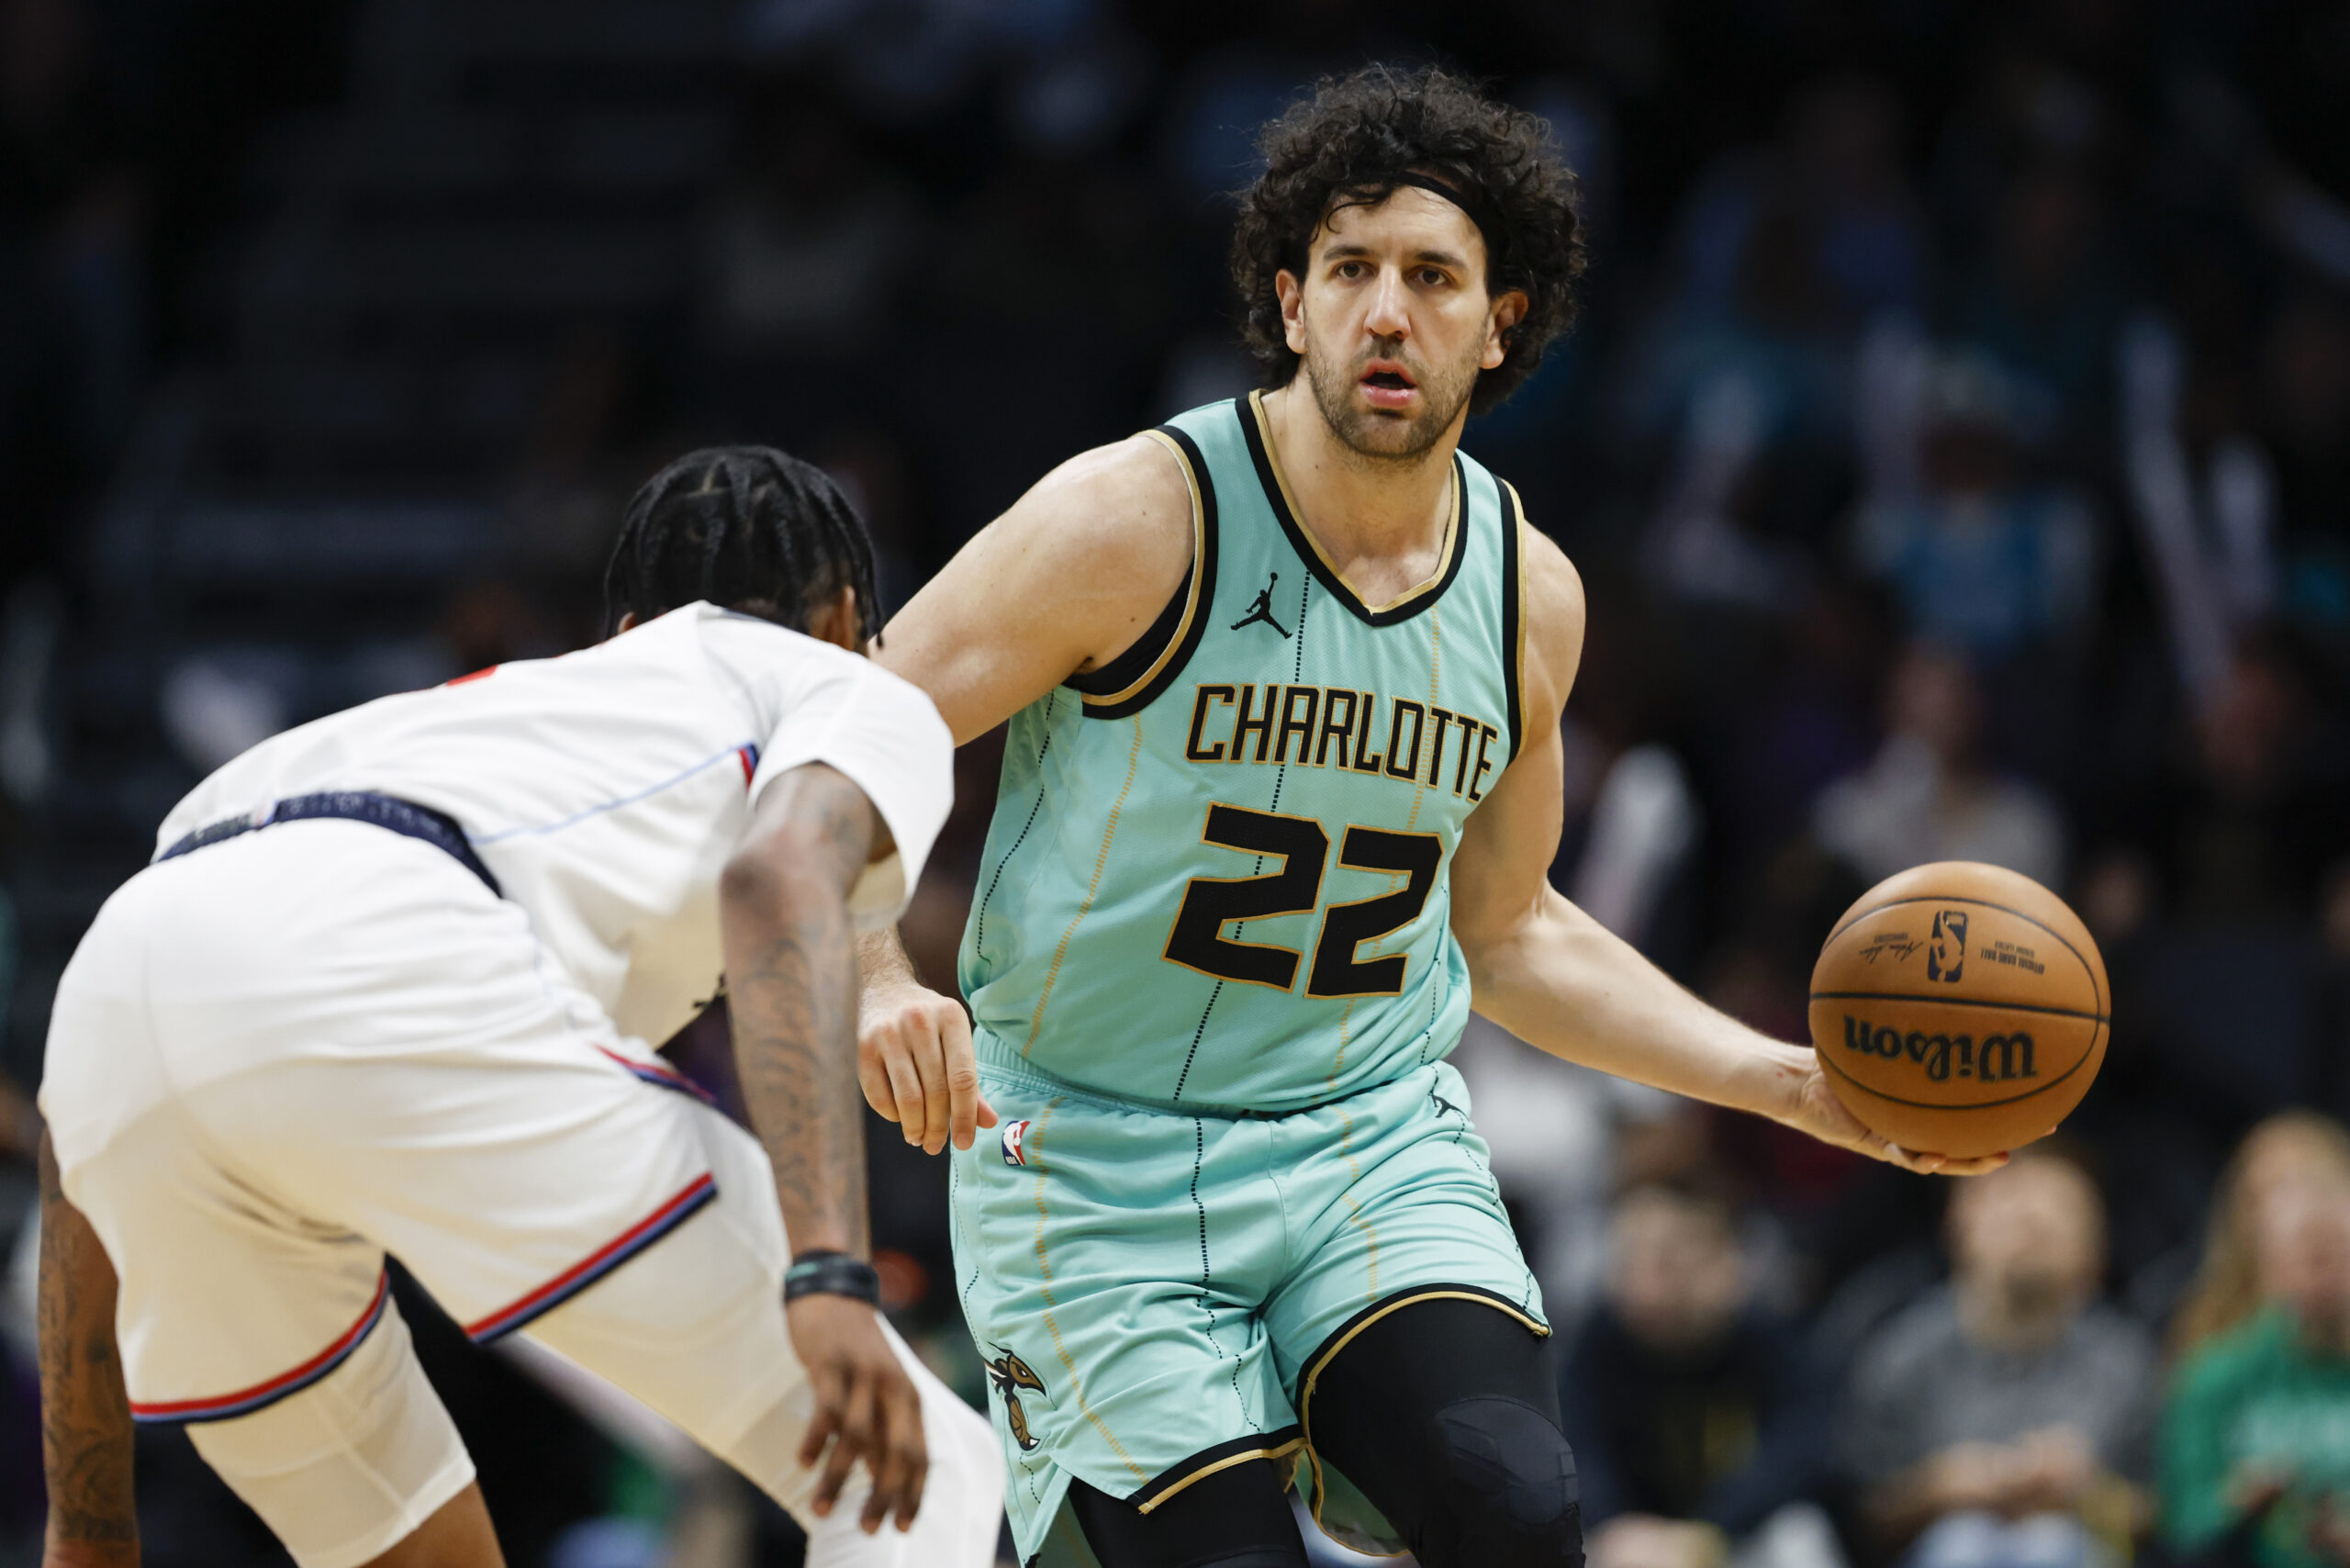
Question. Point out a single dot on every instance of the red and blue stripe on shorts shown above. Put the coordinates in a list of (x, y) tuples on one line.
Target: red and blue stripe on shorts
[(596, 1265), (244, 1402)]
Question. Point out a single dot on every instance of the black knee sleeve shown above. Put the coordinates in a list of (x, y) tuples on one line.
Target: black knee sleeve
[(1237, 1517), (1445, 1414), (1508, 1497)]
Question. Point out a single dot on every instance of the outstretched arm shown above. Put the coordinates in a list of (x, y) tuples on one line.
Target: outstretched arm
[(1063, 582), (791, 987), (1558, 979), (84, 1412)]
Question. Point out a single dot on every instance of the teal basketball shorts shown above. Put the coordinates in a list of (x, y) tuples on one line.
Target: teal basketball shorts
[(1155, 1290)]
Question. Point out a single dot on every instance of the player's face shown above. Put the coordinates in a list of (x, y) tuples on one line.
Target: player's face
[(1393, 321)]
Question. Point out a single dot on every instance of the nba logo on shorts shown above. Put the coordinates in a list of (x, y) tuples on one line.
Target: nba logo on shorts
[(1947, 956), (1012, 1133)]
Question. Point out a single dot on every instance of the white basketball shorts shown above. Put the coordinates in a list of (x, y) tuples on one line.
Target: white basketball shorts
[(275, 1060)]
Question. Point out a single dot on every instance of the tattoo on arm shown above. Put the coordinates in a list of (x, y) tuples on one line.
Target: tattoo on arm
[(792, 985), (85, 1413)]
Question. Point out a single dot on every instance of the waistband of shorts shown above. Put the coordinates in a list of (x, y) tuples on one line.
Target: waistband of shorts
[(387, 811), (1000, 1058)]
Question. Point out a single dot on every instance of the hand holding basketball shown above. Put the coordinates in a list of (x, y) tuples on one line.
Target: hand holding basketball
[(1818, 1113), (1960, 1009)]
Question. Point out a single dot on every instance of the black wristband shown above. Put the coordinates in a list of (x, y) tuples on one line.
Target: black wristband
[(832, 1273)]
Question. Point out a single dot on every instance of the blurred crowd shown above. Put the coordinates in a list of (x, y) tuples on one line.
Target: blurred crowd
[(1955, 446)]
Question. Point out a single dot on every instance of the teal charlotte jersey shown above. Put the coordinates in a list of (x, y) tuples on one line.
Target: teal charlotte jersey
[(1219, 871)]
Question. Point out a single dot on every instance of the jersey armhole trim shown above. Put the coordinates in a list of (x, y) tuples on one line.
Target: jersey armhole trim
[(1120, 687), (1107, 683), (1513, 613)]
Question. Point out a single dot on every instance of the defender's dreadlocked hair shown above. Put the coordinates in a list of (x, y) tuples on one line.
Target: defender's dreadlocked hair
[(747, 528)]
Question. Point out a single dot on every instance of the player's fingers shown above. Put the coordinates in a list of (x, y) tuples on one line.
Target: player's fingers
[(905, 1083), (855, 1441), (909, 1454), (873, 1073), (1982, 1165), (987, 1117), (910, 1493), (964, 1101), (886, 1465), (1919, 1164), (825, 1424), (930, 1066)]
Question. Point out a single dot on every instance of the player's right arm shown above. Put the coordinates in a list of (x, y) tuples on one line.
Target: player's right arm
[(85, 1433), (1062, 583), (785, 922)]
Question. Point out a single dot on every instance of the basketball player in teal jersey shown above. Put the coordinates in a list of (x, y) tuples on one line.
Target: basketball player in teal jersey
[(1283, 783)]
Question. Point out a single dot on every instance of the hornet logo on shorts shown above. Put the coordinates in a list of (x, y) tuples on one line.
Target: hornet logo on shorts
[(1011, 1374), (1014, 1133), (1947, 957)]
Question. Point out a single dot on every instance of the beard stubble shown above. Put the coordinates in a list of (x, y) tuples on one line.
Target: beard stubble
[(1381, 438)]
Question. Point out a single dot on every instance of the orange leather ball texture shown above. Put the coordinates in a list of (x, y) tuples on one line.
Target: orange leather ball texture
[(1959, 1009)]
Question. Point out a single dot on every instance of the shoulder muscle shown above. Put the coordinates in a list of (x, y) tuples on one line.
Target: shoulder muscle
[(1063, 581), (1554, 617)]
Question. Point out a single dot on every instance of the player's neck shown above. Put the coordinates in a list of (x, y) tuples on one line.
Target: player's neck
[(1372, 517)]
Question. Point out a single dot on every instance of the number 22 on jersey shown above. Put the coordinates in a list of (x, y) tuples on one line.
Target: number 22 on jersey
[(1302, 847)]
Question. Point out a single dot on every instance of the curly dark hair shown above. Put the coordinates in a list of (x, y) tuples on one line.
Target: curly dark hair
[(1345, 145)]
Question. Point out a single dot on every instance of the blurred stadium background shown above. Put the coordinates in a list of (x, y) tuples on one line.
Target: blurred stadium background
[(1957, 445)]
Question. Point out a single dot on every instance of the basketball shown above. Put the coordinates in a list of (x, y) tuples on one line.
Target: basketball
[(1959, 1009)]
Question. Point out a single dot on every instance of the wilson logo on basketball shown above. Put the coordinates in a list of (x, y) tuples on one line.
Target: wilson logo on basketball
[(1998, 1060), (1946, 954)]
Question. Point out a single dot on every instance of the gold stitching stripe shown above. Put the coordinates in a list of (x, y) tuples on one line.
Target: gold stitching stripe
[(1516, 520), (1044, 992), (1226, 1462), (1354, 1209), (1452, 539), (1192, 604), (1034, 1149)]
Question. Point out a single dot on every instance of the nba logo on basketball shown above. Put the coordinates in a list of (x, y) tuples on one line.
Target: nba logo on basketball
[(1947, 956), (1012, 1133)]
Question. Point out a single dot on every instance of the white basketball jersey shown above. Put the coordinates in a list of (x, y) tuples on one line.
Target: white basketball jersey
[(607, 789)]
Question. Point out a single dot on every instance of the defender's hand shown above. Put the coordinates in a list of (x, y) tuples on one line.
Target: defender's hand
[(914, 1063), (865, 1408), (1817, 1111)]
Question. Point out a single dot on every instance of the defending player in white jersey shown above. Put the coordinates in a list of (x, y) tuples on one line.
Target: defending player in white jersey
[(387, 988)]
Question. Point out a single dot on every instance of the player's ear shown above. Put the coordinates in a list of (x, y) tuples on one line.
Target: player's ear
[(837, 621), (1509, 312), (1291, 295)]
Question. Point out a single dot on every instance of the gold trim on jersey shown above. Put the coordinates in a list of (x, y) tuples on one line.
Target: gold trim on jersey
[(1191, 602), (1516, 520), (1276, 1452), (1093, 891), (1435, 580)]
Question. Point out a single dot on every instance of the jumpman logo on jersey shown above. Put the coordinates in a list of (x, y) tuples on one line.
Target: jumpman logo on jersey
[(1263, 609)]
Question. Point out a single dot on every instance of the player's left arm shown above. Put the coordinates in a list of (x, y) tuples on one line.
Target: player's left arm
[(791, 989), (1557, 979), (85, 1434)]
